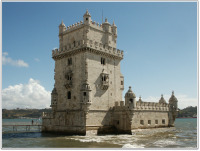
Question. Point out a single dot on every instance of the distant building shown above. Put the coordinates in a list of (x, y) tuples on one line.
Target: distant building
[(87, 94)]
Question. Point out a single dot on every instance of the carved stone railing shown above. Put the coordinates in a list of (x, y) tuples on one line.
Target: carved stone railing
[(90, 44)]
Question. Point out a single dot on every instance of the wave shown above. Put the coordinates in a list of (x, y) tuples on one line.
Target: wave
[(132, 146)]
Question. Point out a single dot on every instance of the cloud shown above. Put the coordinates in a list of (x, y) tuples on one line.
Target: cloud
[(37, 60), (30, 95), (10, 61), (183, 100)]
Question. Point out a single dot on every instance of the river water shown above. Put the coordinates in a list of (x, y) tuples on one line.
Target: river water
[(183, 135)]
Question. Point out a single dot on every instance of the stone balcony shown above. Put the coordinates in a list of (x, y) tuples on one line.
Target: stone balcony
[(93, 45)]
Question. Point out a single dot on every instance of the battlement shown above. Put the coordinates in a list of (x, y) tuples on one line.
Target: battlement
[(73, 27), (120, 105), (80, 24), (152, 106), (90, 44), (144, 106)]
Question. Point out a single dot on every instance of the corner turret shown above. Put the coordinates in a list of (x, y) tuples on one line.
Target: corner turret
[(114, 29), (173, 109), (87, 18), (130, 99), (54, 99), (106, 26), (62, 27)]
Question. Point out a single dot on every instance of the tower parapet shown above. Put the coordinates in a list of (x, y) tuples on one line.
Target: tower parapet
[(99, 38)]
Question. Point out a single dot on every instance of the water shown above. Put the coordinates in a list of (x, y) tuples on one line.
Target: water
[(183, 135)]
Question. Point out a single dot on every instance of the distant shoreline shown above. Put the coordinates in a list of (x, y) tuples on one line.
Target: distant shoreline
[(186, 117)]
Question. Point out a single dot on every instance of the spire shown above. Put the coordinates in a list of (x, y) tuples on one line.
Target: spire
[(114, 24), (140, 99), (87, 13), (106, 20), (62, 24)]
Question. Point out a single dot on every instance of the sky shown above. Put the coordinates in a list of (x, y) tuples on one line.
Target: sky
[(159, 40)]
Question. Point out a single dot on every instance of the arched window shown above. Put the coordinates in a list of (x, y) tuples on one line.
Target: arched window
[(74, 43), (68, 95)]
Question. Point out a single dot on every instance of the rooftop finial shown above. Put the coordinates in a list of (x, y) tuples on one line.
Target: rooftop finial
[(173, 92), (106, 20), (113, 23), (87, 13), (161, 95)]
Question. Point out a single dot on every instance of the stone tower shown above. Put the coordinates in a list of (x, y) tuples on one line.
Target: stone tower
[(87, 94), (88, 80)]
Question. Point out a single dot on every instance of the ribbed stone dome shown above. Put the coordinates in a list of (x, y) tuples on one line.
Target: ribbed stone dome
[(173, 98), (130, 93), (162, 100)]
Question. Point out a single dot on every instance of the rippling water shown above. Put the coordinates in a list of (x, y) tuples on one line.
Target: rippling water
[(183, 135)]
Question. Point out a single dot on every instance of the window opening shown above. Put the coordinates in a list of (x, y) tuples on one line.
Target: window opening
[(84, 93), (103, 61), (68, 95)]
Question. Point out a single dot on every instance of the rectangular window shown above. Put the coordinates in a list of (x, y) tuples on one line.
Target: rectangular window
[(69, 61), (163, 121), (84, 93), (122, 82), (68, 95), (156, 121), (149, 122), (142, 122), (103, 61)]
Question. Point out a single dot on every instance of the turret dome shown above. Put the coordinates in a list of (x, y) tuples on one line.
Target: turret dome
[(130, 93), (162, 100), (173, 98)]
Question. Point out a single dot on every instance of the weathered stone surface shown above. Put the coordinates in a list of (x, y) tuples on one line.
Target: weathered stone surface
[(87, 94)]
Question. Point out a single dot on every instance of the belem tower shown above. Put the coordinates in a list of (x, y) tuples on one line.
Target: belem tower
[(87, 94)]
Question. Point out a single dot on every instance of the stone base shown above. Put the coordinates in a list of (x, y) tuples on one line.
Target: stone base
[(110, 130), (63, 130)]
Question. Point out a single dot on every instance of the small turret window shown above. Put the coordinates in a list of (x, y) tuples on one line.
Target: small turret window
[(69, 77), (68, 95), (69, 61), (103, 61), (84, 94), (86, 18)]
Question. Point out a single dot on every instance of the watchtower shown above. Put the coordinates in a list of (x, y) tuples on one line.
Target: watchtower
[(87, 73)]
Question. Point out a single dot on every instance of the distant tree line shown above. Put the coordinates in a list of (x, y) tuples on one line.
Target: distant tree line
[(23, 113), (188, 112), (36, 113)]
